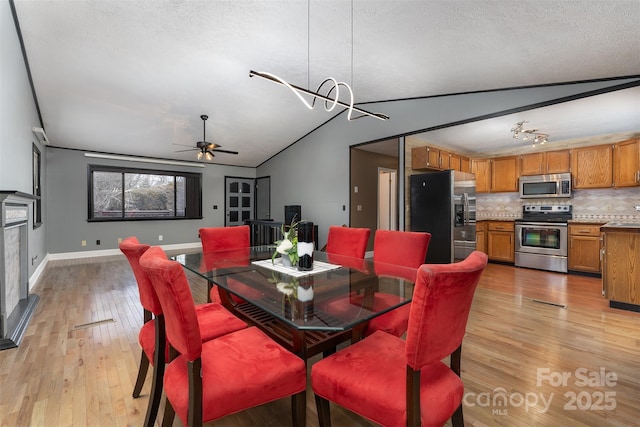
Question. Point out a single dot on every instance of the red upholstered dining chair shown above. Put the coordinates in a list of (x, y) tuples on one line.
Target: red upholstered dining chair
[(223, 239), (346, 246), (394, 382), (207, 380), (403, 248), (214, 320), (347, 241)]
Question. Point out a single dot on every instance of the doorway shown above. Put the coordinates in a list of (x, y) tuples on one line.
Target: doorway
[(387, 199), (239, 200), (366, 162), (263, 198)]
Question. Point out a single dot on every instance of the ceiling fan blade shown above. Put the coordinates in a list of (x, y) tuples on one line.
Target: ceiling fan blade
[(190, 149), (219, 150)]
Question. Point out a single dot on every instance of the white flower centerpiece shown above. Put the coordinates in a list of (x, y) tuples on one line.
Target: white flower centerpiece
[(287, 248)]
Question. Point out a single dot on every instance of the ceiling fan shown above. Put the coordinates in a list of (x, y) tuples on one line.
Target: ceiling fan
[(206, 149)]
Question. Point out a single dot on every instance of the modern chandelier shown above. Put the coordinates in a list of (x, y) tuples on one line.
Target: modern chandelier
[(329, 90), (533, 135), (330, 85)]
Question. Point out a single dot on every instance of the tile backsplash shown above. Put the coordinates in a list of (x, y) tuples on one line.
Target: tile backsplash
[(596, 205)]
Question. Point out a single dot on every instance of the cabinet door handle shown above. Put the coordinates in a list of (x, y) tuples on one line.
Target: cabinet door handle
[(583, 231)]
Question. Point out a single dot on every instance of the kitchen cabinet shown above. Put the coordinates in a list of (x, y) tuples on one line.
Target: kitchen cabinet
[(592, 167), (621, 266), (545, 162), (500, 241), (481, 168), (432, 158), (481, 236), (626, 163), (465, 164), (584, 247), (504, 174), (454, 161)]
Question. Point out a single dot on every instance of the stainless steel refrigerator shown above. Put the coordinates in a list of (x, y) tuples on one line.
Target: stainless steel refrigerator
[(444, 204)]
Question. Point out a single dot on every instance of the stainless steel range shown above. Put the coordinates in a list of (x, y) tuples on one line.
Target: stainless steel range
[(541, 237)]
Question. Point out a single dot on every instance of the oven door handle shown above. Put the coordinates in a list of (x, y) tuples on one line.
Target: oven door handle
[(541, 224)]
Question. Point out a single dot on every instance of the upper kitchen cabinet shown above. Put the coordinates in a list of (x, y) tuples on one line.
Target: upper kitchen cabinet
[(626, 163), (504, 174), (465, 164), (545, 162), (427, 157), (481, 168), (592, 167)]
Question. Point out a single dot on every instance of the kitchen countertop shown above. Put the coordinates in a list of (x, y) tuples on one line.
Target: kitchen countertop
[(587, 221), (627, 227)]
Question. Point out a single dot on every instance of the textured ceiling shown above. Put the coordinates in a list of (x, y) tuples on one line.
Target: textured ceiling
[(133, 77)]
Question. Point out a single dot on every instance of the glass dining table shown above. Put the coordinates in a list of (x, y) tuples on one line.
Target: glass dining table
[(308, 312)]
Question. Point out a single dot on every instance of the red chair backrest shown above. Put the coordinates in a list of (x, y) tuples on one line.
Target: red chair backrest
[(407, 248), (133, 250), (224, 238), (440, 308), (347, 241), (174, 293)]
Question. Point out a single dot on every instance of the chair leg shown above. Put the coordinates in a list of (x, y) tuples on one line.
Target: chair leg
[(142, 375), (324, 412), (457, 419), (169, 414), (299, 409), (155, 395)]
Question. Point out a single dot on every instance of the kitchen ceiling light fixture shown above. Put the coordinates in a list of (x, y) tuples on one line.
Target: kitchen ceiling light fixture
[(534, 135)]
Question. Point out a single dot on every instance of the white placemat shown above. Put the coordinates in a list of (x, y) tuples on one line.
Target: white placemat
[(318, 267)]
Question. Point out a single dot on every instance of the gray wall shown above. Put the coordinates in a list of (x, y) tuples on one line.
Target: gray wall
[(314, 172), (17, 116), (67, 205)]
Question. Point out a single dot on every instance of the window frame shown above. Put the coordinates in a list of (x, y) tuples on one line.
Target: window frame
[(36, 169), (193, 193)]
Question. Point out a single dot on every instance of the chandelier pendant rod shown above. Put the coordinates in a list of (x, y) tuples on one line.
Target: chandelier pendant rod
[(266, 76)]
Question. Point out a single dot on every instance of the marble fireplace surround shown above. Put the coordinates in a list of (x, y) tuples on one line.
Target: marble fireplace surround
[(16, 304)]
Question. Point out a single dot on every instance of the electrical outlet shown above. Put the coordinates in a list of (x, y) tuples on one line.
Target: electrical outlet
[(160, 237), (638, 208), (83, 243), (119, 240), (609, 208), (98, 242)]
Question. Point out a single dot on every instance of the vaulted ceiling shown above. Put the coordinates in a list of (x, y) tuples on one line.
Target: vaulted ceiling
[(134, 76)]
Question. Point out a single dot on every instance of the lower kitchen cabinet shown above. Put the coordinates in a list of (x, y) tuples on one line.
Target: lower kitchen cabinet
[(584, 248), (621, 267), (481, 236), (500, 241)]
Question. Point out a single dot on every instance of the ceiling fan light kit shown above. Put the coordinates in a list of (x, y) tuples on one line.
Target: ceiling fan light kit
[(534, 135), (206, 149)]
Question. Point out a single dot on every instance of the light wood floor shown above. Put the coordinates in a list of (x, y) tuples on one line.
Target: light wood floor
[(79, 358)]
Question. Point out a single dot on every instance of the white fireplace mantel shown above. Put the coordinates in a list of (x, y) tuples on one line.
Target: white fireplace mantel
[(16, 304)]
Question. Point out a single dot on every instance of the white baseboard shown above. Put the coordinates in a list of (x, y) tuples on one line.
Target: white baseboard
[(38, 272), (93, 254), (111, 252)]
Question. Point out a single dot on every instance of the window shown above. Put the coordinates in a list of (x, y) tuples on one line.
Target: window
[(124, 194), (37, 189)]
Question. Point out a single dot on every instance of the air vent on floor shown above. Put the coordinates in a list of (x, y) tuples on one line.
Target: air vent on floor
[(92, 324), (554, 304)]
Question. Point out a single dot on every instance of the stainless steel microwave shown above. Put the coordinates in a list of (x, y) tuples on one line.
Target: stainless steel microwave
[(545, 186)]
